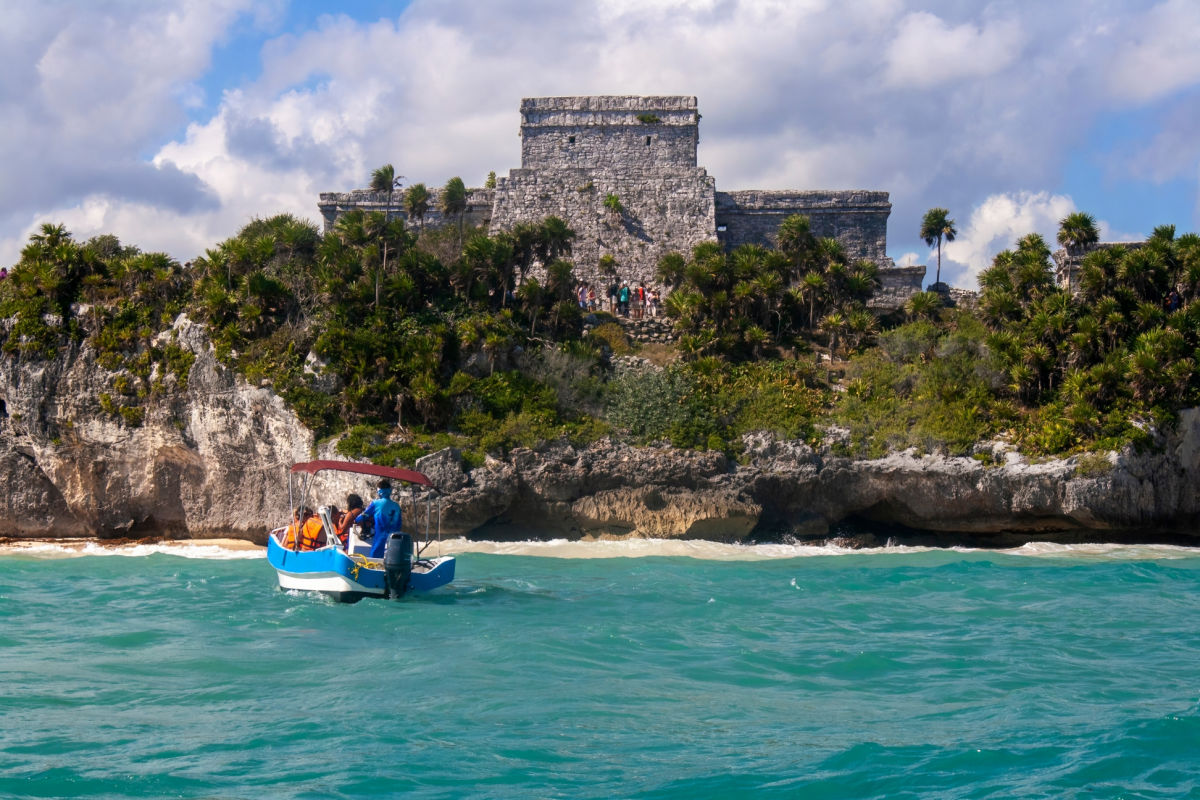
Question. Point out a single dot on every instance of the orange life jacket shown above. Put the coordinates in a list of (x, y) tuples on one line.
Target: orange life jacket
[(310, 534)]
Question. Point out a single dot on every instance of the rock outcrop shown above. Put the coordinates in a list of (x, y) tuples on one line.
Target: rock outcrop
[(210, 458)]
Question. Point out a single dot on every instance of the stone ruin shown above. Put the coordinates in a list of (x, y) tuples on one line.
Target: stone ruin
[(622, 172)]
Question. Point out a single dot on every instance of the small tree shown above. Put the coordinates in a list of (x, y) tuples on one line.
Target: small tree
[(386, 180), (1076, 233), (936, 226), (416, 203), (454, 203)]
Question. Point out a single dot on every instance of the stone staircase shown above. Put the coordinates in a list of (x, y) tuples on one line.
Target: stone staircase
[(648, 330)]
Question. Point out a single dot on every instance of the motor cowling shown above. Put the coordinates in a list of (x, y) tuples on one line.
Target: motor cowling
[(398, 563)]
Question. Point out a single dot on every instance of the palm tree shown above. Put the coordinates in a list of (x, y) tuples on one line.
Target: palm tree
[(1076, 233), (555, 239), (795, 238), (416, 203), (936, 226), (923, 305), (453, 202), (813, 285), (386, 180)]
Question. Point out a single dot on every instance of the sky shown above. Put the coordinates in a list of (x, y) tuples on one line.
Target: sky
[(173, 123)]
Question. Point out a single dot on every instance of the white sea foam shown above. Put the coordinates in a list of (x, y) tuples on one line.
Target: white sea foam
[(622, 548), (219, 549), (1104, 552)]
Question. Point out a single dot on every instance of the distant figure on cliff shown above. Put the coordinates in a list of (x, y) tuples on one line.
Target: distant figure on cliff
[(386, 514), (3, 273)]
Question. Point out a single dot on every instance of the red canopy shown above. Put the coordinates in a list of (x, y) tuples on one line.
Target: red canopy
[(408, 475)]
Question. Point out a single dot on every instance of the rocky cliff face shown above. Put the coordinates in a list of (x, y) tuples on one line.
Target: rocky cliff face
[(211, 460)]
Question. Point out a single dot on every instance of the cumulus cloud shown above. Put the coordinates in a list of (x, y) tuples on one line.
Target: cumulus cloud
[(940, 103), (927, 51), (995, 225)]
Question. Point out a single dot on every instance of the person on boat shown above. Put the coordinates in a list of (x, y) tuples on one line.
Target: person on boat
[(299, 519), (354, 507), (312, 532), (386, 514)]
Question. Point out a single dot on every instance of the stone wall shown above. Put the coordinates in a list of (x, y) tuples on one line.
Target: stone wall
[(622, 131), (898, 284), (333, 204), (576, 151), (857, 219), (665, 210)]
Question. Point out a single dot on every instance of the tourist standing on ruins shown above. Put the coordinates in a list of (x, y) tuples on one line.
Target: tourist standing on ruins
[(613, 289), (581, 295), (623, 300), (655, 300), (591, 298)]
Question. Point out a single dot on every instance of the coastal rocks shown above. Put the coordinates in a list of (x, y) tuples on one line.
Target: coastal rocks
[(210, 459), (716, 514)]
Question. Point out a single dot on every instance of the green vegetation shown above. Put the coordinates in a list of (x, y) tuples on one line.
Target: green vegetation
[(648, 119), (754, 301), (401, 341)]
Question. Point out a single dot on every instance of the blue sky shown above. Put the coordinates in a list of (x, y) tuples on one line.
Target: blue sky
[(174, 123)]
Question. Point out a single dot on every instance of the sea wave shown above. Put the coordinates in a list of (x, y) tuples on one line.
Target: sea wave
[(219, 549), (231, 549), (723, 551)]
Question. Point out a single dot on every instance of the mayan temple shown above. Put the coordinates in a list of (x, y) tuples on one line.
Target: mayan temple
[(622, 171)]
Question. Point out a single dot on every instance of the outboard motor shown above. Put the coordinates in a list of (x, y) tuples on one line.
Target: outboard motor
[(398, 563)]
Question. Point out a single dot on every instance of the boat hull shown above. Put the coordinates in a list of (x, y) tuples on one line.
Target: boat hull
[(332, 572)]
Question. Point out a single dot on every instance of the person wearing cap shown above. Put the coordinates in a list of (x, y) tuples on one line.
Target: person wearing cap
[(386, 514)]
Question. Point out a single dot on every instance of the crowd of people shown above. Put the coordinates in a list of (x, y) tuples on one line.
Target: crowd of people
[(635, 302)]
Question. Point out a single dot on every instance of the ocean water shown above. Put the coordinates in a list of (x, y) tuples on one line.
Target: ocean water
[(645, 669)]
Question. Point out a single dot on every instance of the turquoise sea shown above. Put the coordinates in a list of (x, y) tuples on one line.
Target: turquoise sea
[(646, 670)]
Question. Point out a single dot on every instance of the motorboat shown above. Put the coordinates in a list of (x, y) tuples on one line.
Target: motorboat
[(346, 571)]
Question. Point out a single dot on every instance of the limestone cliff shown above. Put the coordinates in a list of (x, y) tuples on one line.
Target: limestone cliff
[(210, 458)]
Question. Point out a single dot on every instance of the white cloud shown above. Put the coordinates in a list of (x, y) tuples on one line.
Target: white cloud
[(928, 52), (939, 103), (995, 225), (909, 260), (1160, 52)]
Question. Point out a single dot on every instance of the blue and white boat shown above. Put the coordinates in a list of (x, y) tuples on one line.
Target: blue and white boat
[(346, 572)]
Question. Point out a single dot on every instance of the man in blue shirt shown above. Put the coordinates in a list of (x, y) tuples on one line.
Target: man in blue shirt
[(386, 514)]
